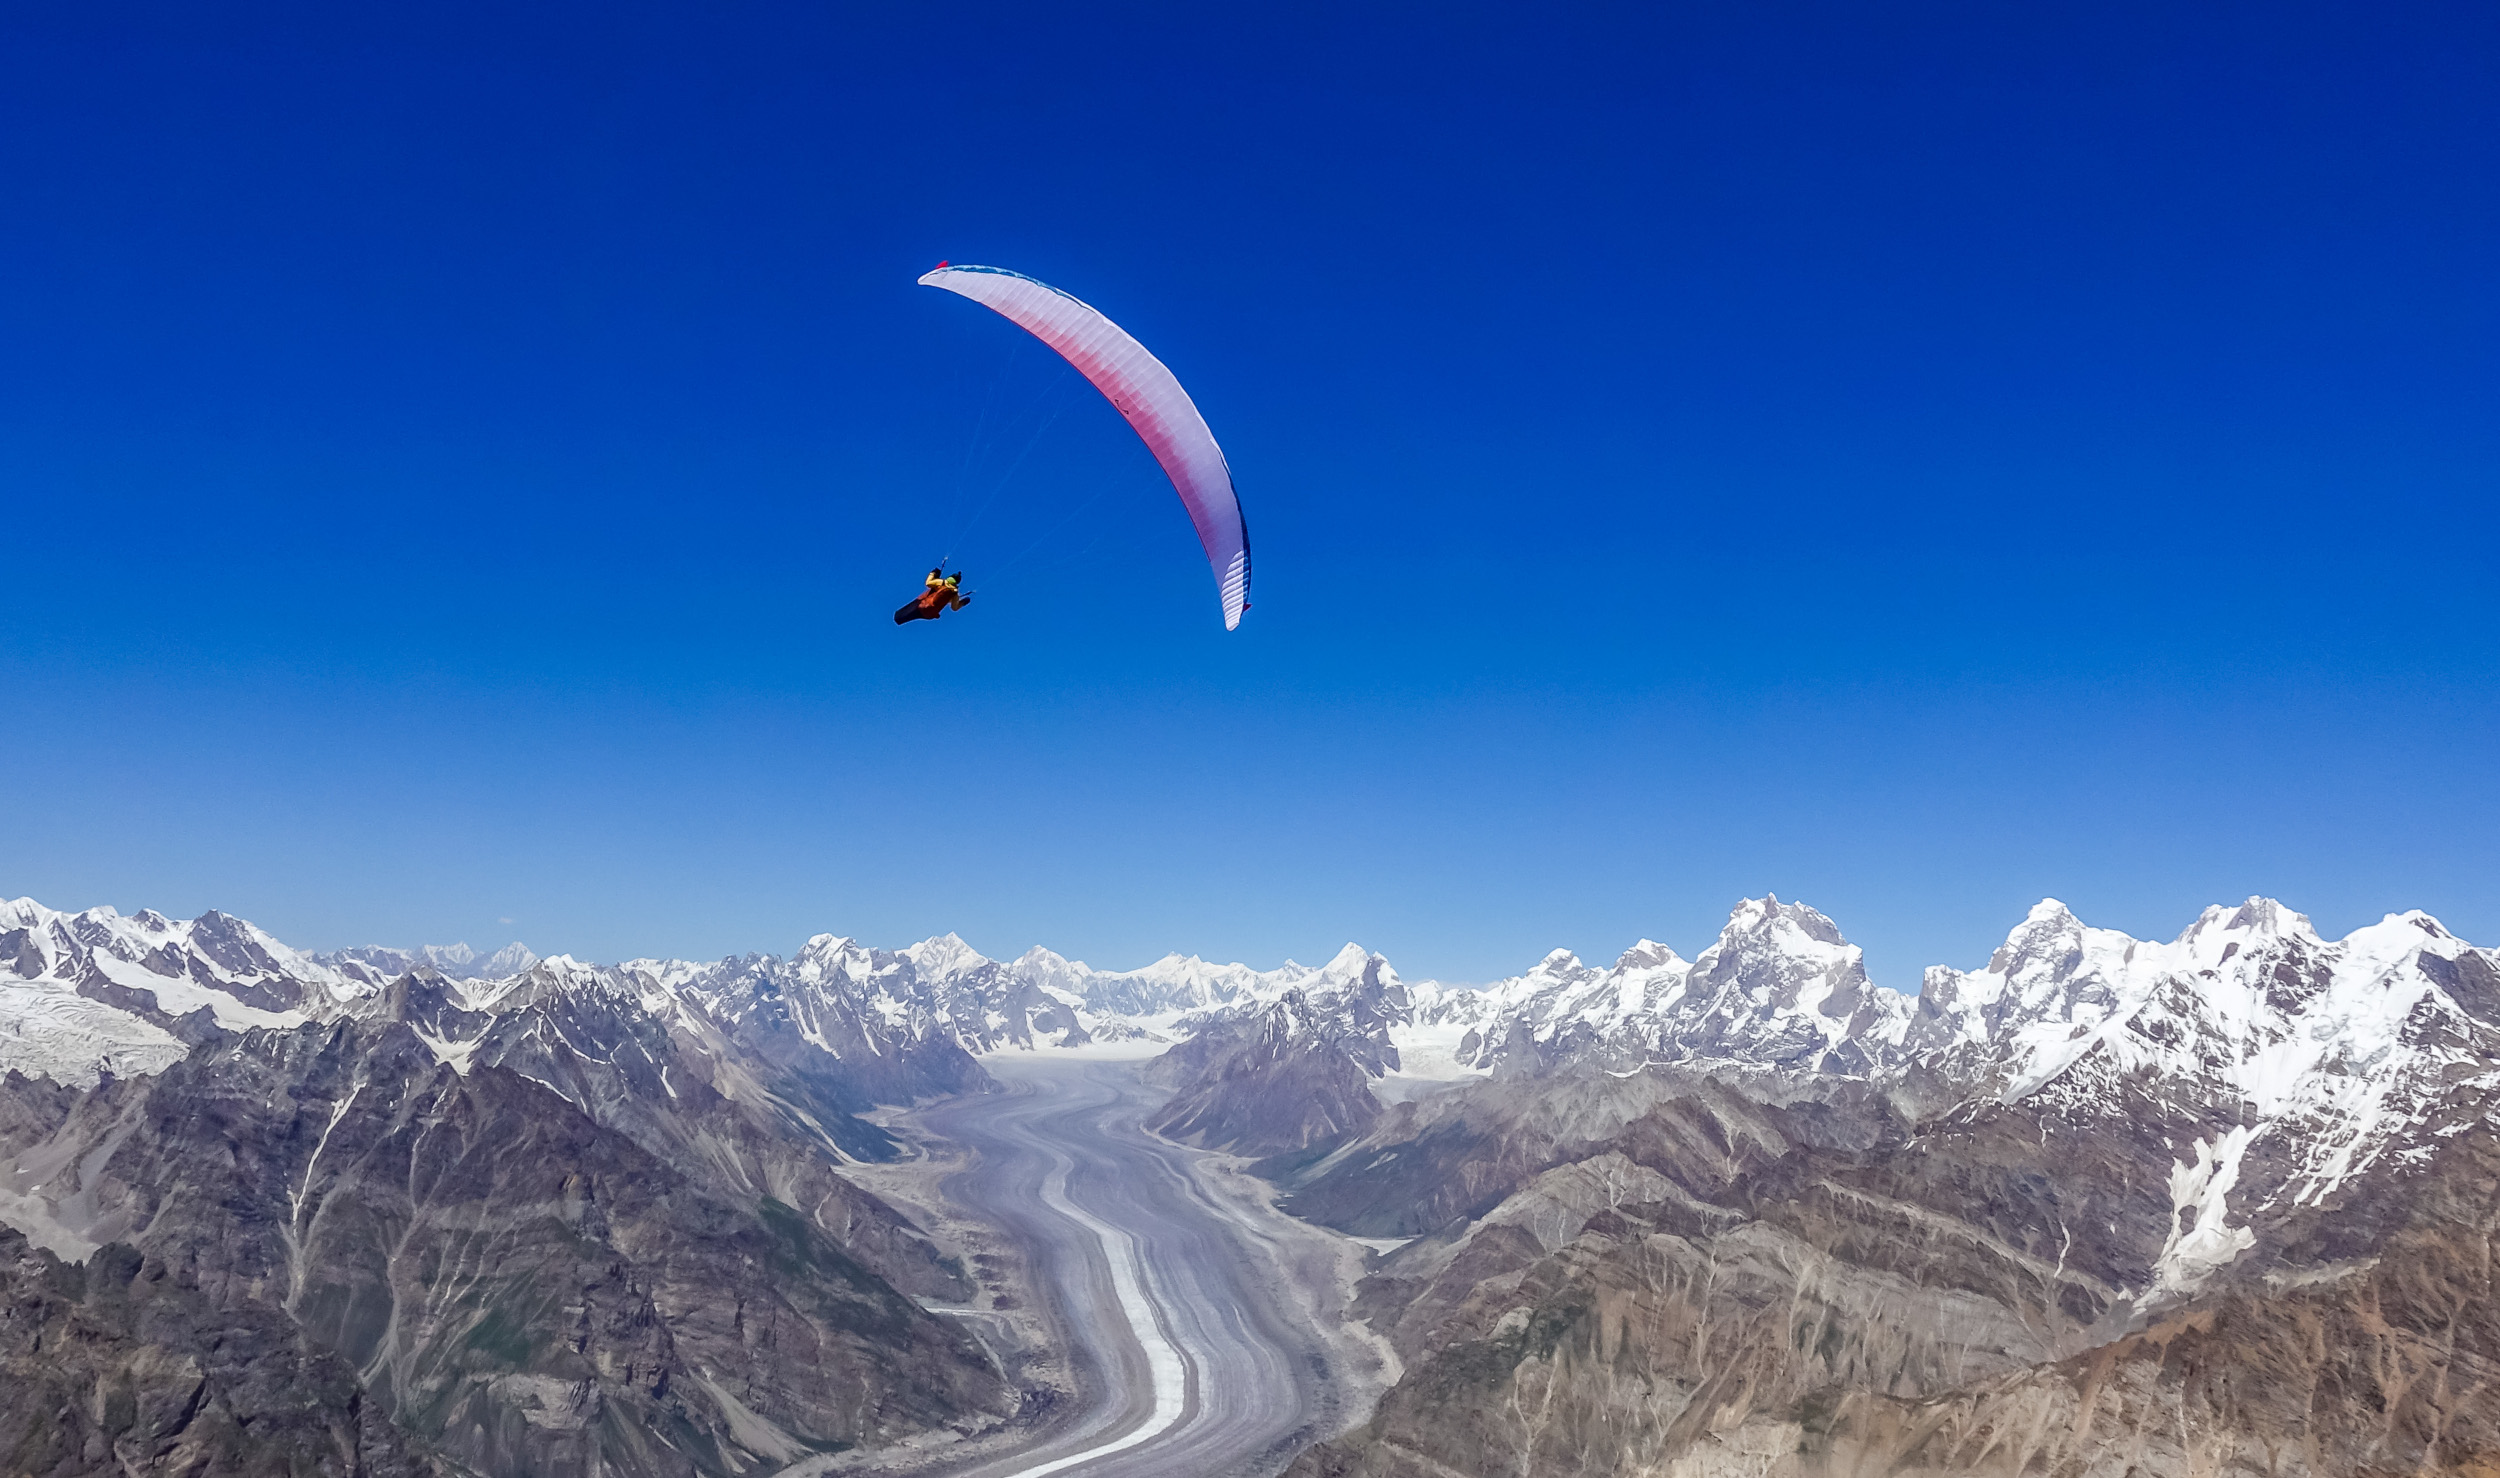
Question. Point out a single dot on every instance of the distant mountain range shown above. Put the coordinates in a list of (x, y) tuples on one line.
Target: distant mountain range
[(2339, 1047), (1962, 1199), (97, 991)]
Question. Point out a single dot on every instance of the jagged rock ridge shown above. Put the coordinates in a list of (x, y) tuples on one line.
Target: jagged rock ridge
[(2097, 1170), (573, 1220), (1269, 1076), (2220, 1205)]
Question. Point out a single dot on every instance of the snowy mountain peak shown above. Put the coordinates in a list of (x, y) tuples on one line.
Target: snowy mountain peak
[(1786, 955), (1561, 969), (1782, 987), (1767, 916), (1352, 967), (1754, 913), (1646, 954), (2326, 1055), (513, 957), (827, 957), (378, 964), (90, 992), (1779, 987), (1350, 959), (2218, 927), (947, 954)]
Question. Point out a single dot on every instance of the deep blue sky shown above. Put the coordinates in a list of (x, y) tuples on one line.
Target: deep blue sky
[(457, 464)]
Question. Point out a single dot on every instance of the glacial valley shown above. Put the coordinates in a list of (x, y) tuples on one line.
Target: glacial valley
[(2220, 1204)]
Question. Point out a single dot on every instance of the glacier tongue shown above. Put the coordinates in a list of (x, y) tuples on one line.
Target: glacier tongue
[(2201, 1239), (48, 1031)]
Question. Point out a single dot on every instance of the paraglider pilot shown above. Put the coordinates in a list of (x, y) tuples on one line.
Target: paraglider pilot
[(939, 593)]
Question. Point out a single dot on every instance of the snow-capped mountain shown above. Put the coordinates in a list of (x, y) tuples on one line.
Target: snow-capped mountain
[(2103, 1204), (1275, 1074), (2282, 1062), (1042, 1000), (1179, 995), (2010, 1172), (391, 1190), (2269, 1064), (1175, 983), (2297, 1060), (380, 964), (89, 992), (860, 1024), (1353, 1002), (94, 992), (942, 987), (1779, 989), (1780, 986)]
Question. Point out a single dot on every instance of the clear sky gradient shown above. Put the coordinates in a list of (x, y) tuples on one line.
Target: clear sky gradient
[(458, 462)]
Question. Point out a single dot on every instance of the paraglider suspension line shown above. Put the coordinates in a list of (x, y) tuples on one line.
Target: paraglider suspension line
[(1039, 540), (969, 525)]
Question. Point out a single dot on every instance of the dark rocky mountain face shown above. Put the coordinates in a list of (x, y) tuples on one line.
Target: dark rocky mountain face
[(485, 1264), (1286, 1075), (1439, 1163), (2305, 1360), (2225, 1205), (116, 1366), (815, 1025), (663, 1074), (1265, 1085), (2215, 1205), (1901, 1312)]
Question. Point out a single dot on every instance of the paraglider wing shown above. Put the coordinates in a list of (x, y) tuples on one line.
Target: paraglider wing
[(1145, 392)]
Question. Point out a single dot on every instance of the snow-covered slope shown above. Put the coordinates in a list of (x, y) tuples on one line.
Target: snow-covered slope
[(2269, 1064), (1354, 1002), (91, 992), (1779, 989), (380, 964), (1042, 1001), (1274, 1074), (2280, 1063), (2288, 1062)]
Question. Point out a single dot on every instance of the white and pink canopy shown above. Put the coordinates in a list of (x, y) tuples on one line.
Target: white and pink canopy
[(1146, 393)]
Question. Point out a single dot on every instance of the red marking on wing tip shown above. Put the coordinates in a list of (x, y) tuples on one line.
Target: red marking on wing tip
[(940, 267)]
